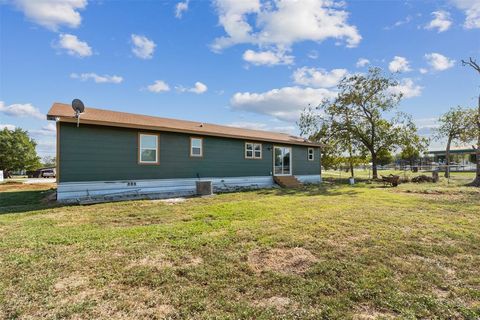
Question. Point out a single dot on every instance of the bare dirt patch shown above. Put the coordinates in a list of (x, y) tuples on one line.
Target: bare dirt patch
[(71, 282), (278, 303), (285, 260), (155, 261), (159, 261), (370, 313)]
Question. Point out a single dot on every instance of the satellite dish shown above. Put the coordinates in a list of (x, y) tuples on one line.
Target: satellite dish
[(78, 107)]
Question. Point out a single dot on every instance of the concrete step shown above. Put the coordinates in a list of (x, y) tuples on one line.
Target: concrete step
[(287, 181)]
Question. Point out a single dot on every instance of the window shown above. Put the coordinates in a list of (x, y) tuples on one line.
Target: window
[(311, 154), (148, 148), (196, 147), (253, 150)]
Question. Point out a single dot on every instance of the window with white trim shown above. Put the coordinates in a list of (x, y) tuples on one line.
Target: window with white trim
[(311, 154), (148, 152), (253, 150), (196, 147)]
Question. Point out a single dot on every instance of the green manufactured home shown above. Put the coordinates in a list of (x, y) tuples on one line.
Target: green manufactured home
[(113, 152)]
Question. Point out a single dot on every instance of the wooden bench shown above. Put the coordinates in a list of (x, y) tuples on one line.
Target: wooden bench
[(391, 179)]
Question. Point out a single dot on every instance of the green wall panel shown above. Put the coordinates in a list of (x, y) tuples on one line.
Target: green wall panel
[(100, 153)]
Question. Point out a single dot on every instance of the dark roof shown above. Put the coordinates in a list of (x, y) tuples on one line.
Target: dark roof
[(63, 112)]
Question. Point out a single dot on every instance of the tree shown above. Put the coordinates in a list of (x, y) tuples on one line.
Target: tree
[(414, 147), (384, 157), (48, 161), (360, 112), (17, 151), (454, 126), (475, 128), (334, 143)]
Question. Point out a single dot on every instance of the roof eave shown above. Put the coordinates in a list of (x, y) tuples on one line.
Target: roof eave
[(166, 129)]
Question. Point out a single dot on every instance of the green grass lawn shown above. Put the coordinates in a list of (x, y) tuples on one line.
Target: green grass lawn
[(334, 251)]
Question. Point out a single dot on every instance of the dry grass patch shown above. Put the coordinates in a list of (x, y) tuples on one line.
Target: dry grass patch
[(282, 260), (71, 282), (365, 312), (278, 303)]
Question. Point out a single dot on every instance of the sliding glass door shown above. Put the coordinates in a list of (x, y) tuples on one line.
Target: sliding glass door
[(282, 164)]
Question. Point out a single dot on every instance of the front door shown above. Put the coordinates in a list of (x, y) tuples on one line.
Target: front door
[(282, 164)]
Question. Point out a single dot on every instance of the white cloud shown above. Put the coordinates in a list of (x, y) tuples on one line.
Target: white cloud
[(399, 64), (362, 62), (97, 78), (280, 24), (180, 8), (441, 21), (439, 62), (142, 46), (46, 146), (74, 46), (249, 125), (21, 110), (285, 104), (408, 88), (423, 70), (426, 123), (472, 12), (158, 86), (198, 88), (48, 130), (6, 125), (399, 23), (52, 14), (269, 58), (318, 78), (313, 54), (289, 129)]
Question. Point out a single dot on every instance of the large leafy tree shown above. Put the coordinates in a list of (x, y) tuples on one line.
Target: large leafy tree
[(17, 151), (454, 127), (475, 122), (335, 143), (365, 111)]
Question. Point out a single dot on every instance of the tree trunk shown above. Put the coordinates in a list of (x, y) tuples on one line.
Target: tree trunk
[(351, 161), (374, 166), (447, 158), (476, 182)]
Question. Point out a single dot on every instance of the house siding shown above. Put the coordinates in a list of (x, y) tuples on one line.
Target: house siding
[(101, 153)]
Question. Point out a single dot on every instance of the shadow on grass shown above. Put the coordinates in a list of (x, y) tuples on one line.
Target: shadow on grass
[(324, 189), (22, 201)]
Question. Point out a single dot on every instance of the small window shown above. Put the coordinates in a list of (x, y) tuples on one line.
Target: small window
[(311, 154), (148, 149), (253, 150), (196, 147)]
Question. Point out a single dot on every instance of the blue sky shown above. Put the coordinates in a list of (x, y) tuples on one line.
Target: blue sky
[(245, 63)]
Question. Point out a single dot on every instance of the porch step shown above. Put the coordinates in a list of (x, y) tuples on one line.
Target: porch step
[(287, 181)]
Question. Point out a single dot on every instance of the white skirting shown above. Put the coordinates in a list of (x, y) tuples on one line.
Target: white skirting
[(311, 178), (75, 191), (162, 188)]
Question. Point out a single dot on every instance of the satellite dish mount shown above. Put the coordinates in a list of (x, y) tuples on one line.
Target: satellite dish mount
[(78, 108)]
